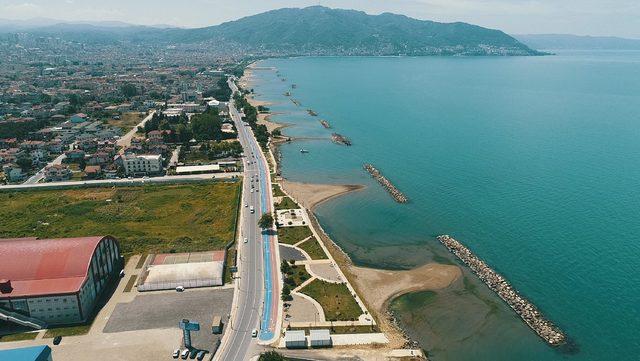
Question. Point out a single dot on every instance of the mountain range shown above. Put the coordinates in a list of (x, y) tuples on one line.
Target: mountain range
[(576, 42), (313, 30)]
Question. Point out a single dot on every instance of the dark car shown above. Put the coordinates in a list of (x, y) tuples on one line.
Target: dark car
[(57, 339), (193, 354), (201, 354)]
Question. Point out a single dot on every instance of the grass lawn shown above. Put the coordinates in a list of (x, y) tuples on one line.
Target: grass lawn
[(67, 331), (298, 274), (230, 262), (130, 283), (145, 219), (127, 121), (287, 203), (336, 300), (277, 191), (313, 249), (19, 337), (293, 235)]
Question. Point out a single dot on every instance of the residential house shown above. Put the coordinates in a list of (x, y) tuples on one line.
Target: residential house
[(75, 155), (93, 171), (146, 164), (57, 173), (79, 118)]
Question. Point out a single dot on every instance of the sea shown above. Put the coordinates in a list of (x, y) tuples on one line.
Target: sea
[(531, 162)]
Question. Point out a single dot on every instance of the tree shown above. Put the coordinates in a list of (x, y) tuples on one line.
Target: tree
[(24, 163), (129, 90), (272, 356), (266, 221)]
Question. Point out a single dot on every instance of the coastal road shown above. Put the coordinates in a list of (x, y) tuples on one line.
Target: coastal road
[(123, 181), (256, 302)]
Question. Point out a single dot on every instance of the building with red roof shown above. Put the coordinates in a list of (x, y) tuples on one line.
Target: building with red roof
[(55, 281)]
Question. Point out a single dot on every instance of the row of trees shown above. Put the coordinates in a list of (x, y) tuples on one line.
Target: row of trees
[(251, 116)]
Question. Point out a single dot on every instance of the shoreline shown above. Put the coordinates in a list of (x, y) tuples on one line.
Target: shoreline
[(377, 287)]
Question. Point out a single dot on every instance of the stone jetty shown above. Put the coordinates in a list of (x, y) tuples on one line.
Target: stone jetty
[(297, 103), (325, 123), (312, 113), (497, 283), (340, 139), (395, 193)]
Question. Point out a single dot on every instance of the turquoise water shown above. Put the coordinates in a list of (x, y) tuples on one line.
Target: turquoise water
[(532, 162)]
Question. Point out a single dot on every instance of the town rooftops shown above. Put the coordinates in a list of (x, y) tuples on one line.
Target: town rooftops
[(34, 267)]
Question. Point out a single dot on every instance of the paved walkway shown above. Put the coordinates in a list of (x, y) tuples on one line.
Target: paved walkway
[(325, 271)]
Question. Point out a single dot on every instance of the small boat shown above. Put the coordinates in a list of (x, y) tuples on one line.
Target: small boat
[(302, 150)]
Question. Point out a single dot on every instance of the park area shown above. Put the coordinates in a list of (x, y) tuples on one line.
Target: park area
[(145, 219)]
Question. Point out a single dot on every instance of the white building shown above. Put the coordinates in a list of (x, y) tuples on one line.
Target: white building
[(295, 339), (145, 164), (320, 338)]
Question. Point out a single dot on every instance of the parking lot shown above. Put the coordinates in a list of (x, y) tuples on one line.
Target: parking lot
[(142, 326), (165, 309)]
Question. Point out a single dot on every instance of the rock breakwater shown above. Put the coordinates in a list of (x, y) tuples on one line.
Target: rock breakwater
[(395, 193), (497, 283)]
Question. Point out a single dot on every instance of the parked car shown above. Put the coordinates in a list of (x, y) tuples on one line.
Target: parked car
[(254, 333), (176, 353), (201, 354), (121, 273), (184, 354), (57, 340), (246, 240), (180, 289), (193, 354)]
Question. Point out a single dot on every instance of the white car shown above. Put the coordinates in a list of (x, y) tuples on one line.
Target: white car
[(254, 333), (251, 190), (246, 205), (180, 289), (184, 354), (176, 353), (246, 240)]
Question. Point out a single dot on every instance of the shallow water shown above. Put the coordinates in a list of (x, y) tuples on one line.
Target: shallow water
[(532, 162)]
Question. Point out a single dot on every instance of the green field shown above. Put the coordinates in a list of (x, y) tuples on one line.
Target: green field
[(145, 219), (335, 298), (287, 203), (313, 249), (293, 235), (19, 337), (68, 331), (277, 191)]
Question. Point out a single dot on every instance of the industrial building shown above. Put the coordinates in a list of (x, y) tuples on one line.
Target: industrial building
[(295, 339), (55, 281), (189, 270)]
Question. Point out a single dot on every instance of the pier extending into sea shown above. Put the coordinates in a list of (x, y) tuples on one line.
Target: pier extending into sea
[(395, 193), (340, 139), (497, 283)]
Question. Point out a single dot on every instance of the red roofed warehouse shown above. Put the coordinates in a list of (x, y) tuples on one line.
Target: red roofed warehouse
[(54, 281)]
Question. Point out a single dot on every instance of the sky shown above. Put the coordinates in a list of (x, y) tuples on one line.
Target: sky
[(581, 17)]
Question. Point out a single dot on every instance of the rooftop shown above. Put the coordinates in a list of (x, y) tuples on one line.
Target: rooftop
[(38, 267)]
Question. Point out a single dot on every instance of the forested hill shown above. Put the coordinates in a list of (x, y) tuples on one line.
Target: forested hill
[(318, 30), (335, 31)]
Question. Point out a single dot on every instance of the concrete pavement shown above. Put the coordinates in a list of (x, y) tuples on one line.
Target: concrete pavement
[(123, 181)]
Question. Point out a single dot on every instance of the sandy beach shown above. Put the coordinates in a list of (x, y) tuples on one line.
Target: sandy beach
[(310, 195)]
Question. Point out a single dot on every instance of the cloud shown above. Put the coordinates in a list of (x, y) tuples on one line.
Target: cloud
[(21, 11)]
